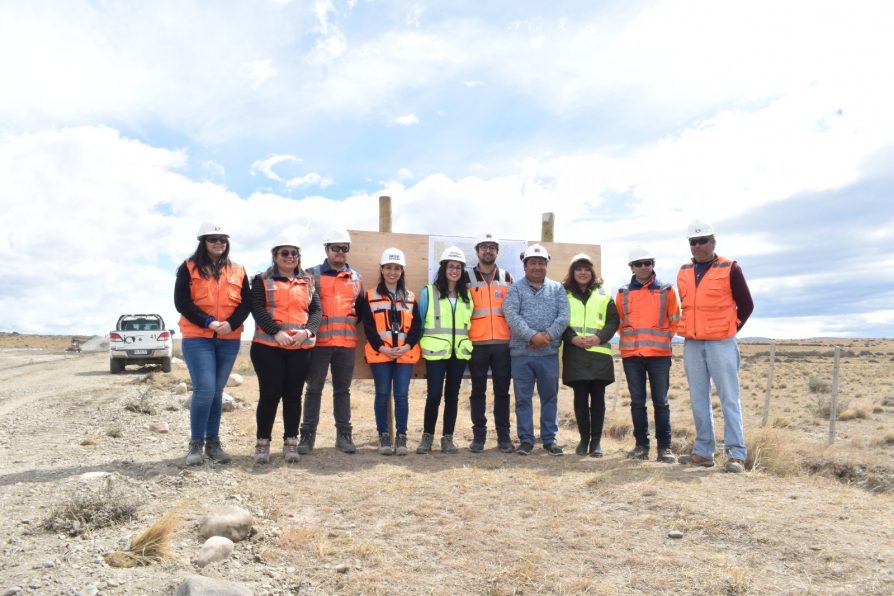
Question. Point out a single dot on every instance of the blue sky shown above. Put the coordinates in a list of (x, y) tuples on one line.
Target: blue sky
[(124, 125)]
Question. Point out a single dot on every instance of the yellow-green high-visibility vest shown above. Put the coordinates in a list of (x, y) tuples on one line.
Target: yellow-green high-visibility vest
[(445, 330), (588, 318)]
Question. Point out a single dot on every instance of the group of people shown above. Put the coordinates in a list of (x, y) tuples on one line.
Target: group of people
[(471, 317)]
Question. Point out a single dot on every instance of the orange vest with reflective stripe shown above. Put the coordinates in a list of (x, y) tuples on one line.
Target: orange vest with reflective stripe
[(380, 306), (217, 297), (287, 302), (488, 322), (649, 318), (709, 311), (337, 296)]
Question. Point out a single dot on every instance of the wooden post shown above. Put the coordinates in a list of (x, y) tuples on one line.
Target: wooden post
[(385, 214), (833, 406), (385, 226), (769, 383), (547, 227)]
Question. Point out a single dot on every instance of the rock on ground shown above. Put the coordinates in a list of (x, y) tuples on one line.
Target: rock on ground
[(216, 548), (234, 523), (197, 585)]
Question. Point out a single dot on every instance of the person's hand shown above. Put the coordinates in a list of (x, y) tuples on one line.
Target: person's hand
[(223, 327), (387, 351), (540, 340), (283, 338), (401, 350)]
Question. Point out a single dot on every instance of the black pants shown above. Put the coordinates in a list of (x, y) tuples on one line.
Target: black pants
[(496, 358), (443, 377), (589, 406), (281, 375)]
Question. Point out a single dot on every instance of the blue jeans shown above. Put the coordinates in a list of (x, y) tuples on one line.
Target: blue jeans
[(544, 371), (388, 375), (443, 378), (657, 369), (322, 359), (209, 361), (717, 361)]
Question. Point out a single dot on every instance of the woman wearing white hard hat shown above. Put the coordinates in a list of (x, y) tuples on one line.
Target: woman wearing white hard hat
[(587, 364), (212, 296), (287, 315), (390, 318), (445, 307)]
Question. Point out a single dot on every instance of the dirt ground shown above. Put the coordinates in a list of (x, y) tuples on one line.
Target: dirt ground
[(805, 518)]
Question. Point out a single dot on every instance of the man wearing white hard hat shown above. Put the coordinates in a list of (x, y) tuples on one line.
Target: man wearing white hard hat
[(490, 336), (537, 312), (339, 287), (650, 314), (716, 303)]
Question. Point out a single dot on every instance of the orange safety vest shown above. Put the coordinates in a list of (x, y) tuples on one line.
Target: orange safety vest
[(287, 302), (488, 322), (380, 306), (338, 293), (216, 297), (649, 318), (709, 311)]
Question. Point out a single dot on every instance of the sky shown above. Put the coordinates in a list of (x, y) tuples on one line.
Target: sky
[(124, 125)]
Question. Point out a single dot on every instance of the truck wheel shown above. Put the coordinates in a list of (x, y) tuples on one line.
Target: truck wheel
[(115, 366), (166, 365)]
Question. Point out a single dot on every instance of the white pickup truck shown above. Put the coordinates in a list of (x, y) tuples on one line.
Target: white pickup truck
[(140, 339)]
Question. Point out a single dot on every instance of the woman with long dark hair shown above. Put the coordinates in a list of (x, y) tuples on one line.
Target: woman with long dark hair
[(587, 364), (390, 318), (212, 296), (445, 307), (287, 315)]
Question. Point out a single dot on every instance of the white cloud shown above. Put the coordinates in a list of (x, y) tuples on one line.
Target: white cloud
[(260, 71), (265, 166), (407, 120), (309, 179)]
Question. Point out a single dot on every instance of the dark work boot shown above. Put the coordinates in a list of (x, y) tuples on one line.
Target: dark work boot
[(306, 439), (215, 452), (195, 457), (343, 440), (583, 427), (477, 444), (595, 447)]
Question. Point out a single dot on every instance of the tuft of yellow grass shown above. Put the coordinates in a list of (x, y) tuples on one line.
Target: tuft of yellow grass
[(772, 450), (89, 441), (152, 545)]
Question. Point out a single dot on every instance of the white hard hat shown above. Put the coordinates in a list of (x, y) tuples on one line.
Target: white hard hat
[(581, 256), (486, 237), (638, 253), (337, 236), (453, 253), (535, 250), (699, 228), (285, 240), (209, 228), (393, 255)]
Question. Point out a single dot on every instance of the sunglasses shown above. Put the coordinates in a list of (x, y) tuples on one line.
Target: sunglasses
[(700, 241), (288, 253), (216, 239), (344, 249), (487, 247), (642, 263)]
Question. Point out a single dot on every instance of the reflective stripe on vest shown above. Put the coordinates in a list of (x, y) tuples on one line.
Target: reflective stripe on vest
[(445, 335), (708, 309), (215, 297), (646, 328), (338, 296), (381, 307), (587, 319), (287, 303), (488, 324)]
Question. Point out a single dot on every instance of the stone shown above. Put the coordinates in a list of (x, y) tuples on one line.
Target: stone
[(159, 427), (234, 523), (90, 590), (228, 403), (341, 568), (235, 380), (677, 534), (216, 548), (197, 585), (12, 591), (181, 388)]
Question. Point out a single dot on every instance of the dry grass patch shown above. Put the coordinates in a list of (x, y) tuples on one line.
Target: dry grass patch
[(773, 450), (88, 508), (152, 545)]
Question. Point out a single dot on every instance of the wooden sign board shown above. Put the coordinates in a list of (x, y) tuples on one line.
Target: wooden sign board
[(367, 248)]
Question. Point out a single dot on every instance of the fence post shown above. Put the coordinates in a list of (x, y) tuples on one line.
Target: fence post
[(769, 383), (833, 406), (547, 227)]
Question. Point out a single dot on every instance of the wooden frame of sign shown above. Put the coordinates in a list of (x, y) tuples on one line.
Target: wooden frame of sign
[(367, 248)]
